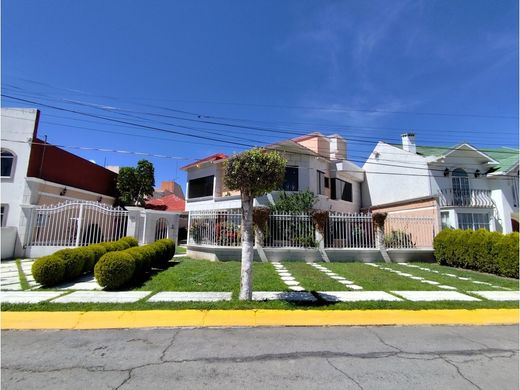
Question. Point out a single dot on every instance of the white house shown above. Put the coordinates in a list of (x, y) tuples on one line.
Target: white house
[(472, 188), (34, 172), (315, 163)]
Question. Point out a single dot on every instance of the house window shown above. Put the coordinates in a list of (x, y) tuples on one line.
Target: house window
[(515, 193), (327, 182), (7, 163), (445, 220), (290, 181), (321, 183), (198, 188), (473, 221), (3, 215), (460, 183), (340, 189)]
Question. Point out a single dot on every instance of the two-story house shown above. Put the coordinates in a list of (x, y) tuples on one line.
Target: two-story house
[(463, 186), (316, 163)]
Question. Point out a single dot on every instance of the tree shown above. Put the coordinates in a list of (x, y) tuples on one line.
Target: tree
[(254, 173), (135, 185)]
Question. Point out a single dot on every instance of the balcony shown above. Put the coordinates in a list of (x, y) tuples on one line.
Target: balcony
[(450, 197)]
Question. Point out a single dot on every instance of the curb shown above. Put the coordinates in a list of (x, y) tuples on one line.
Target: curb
[(76, 320)]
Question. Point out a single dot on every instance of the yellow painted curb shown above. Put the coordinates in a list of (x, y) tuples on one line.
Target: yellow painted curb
[(249, 318)]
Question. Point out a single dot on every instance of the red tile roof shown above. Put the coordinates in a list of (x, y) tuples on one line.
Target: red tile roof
[(172, 203), (213, 157)]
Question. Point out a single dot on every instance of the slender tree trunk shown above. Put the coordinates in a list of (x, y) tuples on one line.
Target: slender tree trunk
[(246, 281)]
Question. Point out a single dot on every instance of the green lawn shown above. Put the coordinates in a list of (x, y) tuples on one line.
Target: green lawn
[(462, 285), (371, 278), (180, 250), (312, 279), (201, 275)]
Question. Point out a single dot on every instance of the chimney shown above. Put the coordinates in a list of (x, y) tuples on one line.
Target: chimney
[(409, 142), (338, 147)]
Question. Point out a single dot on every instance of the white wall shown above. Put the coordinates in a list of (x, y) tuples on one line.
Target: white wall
[(393, 176), (502, 194), (17, 125)]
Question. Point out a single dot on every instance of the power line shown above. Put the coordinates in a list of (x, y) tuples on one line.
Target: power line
[(318, 108)]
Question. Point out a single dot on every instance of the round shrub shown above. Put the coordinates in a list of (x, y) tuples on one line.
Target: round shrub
[(110, 246), (121, 245), (74, 262), (98, 249), (150, 253), (161, 256), (89, 258), (170, 245), (114, 269), (48, 270), (131, 241), (142, 262)]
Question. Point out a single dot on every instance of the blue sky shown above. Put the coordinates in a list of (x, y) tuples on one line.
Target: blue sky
[(368, 70)]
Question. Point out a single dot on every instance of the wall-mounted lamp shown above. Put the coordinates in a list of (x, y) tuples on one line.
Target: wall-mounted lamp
[(100, 199), (446, 172), (63, 191), (477, 173)]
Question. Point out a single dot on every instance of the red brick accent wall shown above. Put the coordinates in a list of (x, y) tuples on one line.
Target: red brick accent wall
[(60, 166)]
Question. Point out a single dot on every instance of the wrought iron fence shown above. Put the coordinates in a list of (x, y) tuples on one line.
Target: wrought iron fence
[(75, 224), (297, 230), (350, 231)]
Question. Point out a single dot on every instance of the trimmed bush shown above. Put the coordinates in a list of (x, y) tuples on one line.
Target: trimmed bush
[(74, 262), (48, 270), (161, 254), (170, 245), (479, 250), (142, 261), (98, 249), (114, 269), (131, 241), (110, 246), (89, 258)]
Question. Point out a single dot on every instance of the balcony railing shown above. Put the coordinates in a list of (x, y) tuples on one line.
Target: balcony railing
[(465, 198)]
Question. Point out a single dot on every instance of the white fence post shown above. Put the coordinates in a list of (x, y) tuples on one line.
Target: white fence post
[(80, 222)]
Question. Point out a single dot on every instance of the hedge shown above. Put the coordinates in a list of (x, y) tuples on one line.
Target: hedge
[(74, 262), (479, 250), (116, 269), (48, 270)]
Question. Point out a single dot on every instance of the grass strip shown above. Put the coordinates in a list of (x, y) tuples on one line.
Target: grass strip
[(23, 280)]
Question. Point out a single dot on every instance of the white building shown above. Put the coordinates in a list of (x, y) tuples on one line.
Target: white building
[(316, 163), (473, 188), (37, 173)]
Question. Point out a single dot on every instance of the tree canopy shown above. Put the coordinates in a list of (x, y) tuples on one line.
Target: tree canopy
[(135, 185), (255, 172)]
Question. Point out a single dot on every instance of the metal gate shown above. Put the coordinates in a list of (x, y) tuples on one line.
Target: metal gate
[(76, 224)]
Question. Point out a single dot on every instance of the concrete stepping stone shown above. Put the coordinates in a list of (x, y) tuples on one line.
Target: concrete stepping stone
[(446, 287), (498, 295), (283, 296), (288, 278), (451, 275), (416, 278), (11, 287), (28, 296), (102, 297), (291, 283), (354, 287), (461, 278), (372, 265), (430, 296), (479, 282), (430, 282), (346, 282), (356, 296), (181, 296), (296, 288), (337, 277)]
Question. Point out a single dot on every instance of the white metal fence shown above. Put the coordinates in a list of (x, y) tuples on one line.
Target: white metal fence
[(350, 231), (215, 227), (75, 224), (288, 230), (409, 232)]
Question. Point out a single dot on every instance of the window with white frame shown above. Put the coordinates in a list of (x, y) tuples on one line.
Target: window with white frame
[(7, 163), (473, 221), (445, 220), (3, 215)]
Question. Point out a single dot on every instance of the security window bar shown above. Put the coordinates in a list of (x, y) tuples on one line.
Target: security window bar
[(290, 181)]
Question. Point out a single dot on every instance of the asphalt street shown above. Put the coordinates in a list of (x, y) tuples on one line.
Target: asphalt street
[(421, 357)]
